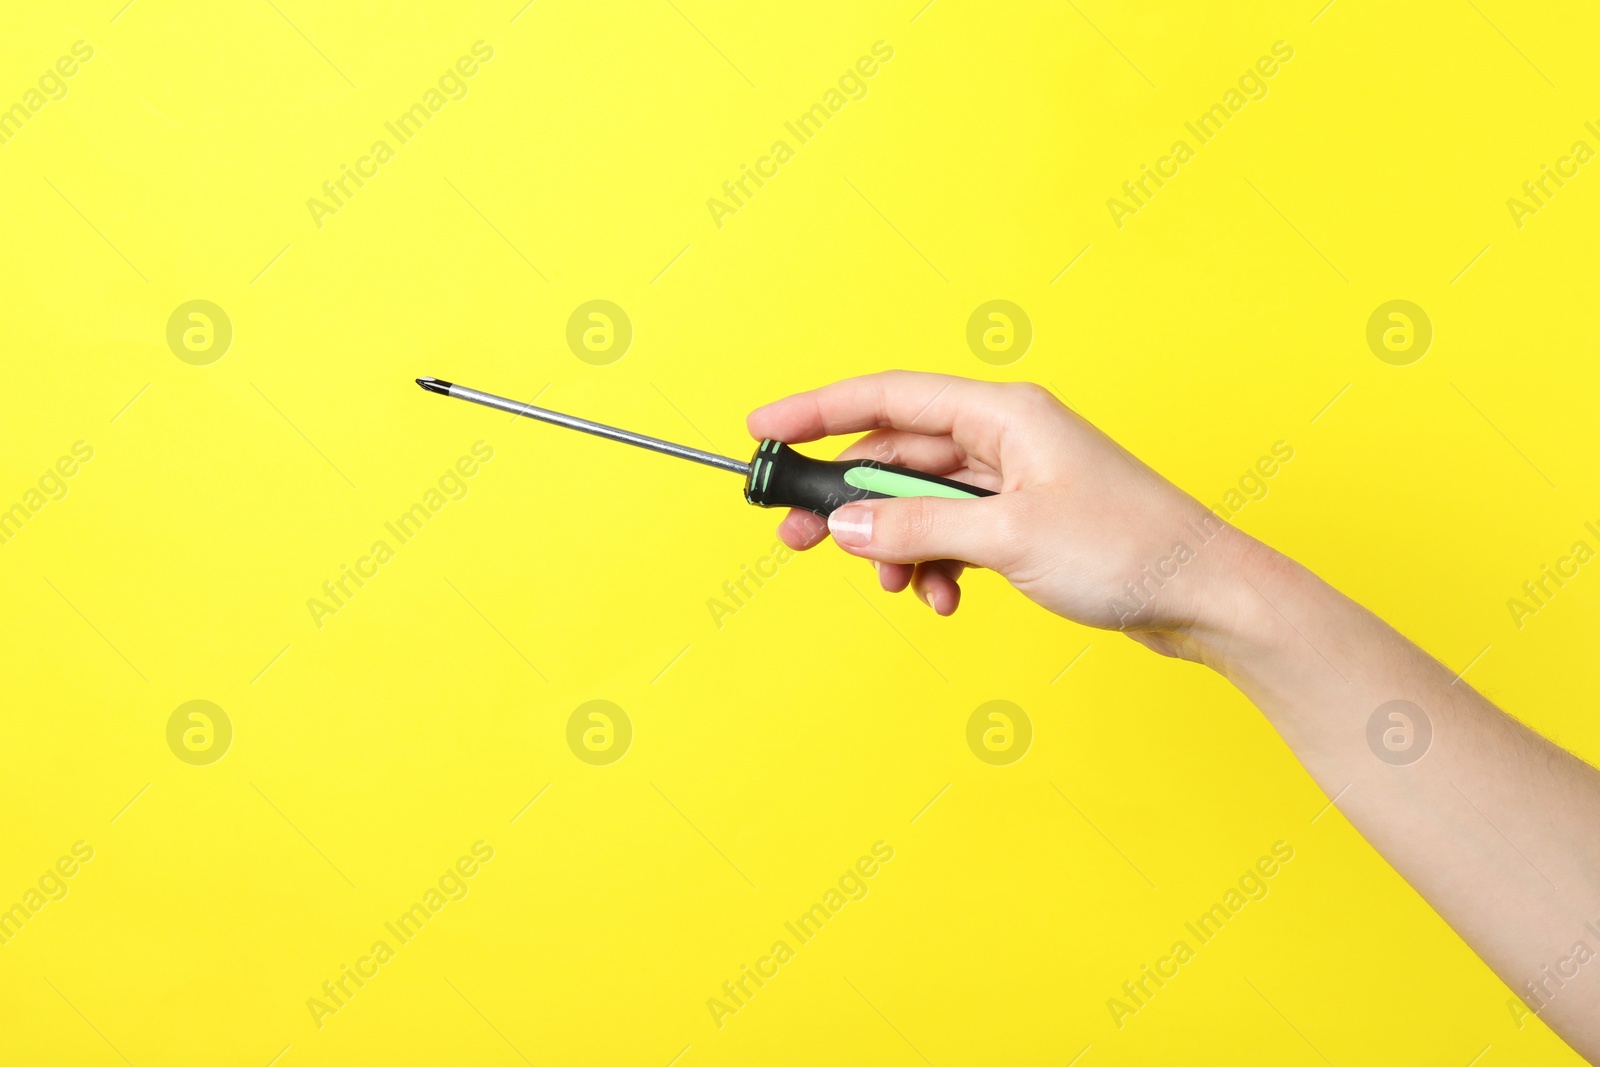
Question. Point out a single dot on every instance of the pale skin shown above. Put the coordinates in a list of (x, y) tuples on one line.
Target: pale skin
[(1496, 827)]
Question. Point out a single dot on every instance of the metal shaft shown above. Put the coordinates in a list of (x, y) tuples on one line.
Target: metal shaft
[(572, 422)]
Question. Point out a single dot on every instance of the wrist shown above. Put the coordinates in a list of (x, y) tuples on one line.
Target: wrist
[(1240, 617)]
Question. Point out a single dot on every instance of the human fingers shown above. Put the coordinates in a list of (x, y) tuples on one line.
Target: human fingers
[(801, 529), (930, 404), (894, 577), (936, 454), (937, 584), (921, 528)]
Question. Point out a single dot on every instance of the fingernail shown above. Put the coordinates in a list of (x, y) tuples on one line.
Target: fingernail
[(851, 525)]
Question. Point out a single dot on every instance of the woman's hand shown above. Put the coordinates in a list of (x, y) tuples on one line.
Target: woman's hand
[(1080, 526), (1089, 532)]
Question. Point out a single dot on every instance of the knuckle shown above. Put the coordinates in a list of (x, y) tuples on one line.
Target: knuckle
[(1034, 395)]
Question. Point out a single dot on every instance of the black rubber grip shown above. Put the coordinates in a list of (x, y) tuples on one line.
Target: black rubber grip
[(780, 477)]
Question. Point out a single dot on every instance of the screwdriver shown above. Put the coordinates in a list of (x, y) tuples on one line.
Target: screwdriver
[(776, 477)]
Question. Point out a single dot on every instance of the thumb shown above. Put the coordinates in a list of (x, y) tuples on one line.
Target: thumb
[(915, 529)]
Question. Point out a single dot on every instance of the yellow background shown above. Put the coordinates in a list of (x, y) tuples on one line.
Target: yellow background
[(825, 715)]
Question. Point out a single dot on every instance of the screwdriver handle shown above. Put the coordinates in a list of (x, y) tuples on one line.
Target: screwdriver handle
[(780, 477)]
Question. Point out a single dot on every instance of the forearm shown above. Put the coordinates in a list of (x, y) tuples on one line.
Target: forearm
[(1497, 828)]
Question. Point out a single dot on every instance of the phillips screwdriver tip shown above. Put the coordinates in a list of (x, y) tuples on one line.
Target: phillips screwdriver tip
[(572, 422)]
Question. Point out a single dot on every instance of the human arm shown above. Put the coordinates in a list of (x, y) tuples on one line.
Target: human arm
[(1494, 825)]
